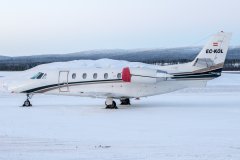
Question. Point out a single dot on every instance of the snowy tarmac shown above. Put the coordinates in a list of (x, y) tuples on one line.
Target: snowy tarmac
[(191, 124)]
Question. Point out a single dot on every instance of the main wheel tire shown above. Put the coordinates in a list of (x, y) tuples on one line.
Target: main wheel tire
[(113, 106), (125, 101), (128, 102)]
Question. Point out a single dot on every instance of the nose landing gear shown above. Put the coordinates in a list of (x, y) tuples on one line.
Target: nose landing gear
[(27, 103)]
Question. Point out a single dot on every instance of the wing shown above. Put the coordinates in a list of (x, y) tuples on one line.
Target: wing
[(102, 95)]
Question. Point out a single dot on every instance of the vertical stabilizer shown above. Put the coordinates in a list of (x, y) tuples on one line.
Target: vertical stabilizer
[(214, 53)]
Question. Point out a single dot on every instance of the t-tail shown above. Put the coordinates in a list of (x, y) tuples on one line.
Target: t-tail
[(210, 61), (213, 54)]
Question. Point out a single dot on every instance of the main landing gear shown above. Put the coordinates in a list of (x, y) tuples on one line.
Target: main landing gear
[(125, 101), (27, 103), (110, 104)]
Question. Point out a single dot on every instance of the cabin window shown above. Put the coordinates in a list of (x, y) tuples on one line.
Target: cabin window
[(38, 75), (35, 76), (119, 75), (73, 75), (84, 76), (105, 76), (95, 76), (44, 76)]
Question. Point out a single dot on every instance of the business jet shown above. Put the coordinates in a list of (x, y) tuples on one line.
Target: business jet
[(112, 79)]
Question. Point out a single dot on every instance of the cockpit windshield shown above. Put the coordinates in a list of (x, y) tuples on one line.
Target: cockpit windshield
[(39, 75)]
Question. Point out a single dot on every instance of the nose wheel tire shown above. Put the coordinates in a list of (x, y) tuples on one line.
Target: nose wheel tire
[(27, 103), (112, 106)]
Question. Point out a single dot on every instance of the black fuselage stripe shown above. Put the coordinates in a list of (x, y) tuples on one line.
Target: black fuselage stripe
[(69, 83), (212, 73), (219, 70), (197, 76), (210, 70)]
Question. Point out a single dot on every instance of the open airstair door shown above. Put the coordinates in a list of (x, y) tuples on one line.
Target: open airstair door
[(63, 81)]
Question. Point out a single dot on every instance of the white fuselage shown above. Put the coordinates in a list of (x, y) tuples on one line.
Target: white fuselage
[(96, 82)]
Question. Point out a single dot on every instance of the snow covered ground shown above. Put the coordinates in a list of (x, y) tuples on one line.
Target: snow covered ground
[(192, 124)]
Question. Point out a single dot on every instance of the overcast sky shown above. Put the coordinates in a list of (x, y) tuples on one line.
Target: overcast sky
[(29, 27)]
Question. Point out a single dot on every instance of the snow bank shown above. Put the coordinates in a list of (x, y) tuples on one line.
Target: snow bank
[(101, 63)]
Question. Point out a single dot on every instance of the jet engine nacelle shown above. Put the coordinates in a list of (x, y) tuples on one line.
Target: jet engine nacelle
[(143, 75)]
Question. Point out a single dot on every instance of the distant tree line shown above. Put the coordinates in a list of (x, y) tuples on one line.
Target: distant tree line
[(230, 64), (17, 67), (158, 57)]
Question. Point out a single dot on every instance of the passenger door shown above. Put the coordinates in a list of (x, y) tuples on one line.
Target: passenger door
[(63, 81)]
